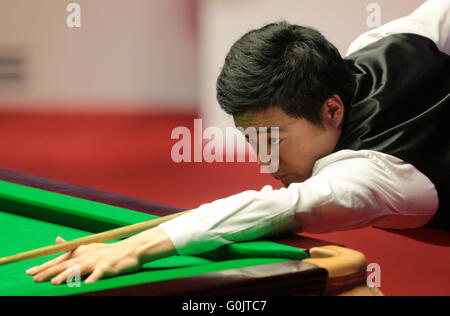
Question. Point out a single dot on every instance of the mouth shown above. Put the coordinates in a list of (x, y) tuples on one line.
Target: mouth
[(286, 178), (279, 176)]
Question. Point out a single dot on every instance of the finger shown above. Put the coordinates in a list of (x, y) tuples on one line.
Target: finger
[(68, 274), (37, 269), (95, 276), (46, 265), (52, 271)]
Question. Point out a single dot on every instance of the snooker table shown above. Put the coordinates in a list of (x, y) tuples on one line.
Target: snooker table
[(34, 210)]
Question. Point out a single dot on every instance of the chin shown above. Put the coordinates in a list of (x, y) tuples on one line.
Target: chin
[(288, 180), (293, 179)]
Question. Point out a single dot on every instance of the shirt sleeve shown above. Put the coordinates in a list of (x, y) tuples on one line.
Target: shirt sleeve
[(431, 19), (348, 189)]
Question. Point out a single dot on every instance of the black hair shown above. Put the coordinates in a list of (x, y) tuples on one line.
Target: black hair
[(285, 65)]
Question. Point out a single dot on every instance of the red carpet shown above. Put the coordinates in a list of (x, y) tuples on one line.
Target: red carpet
[(130, 154)]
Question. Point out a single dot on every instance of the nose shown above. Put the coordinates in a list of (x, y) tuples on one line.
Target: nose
[(262, 163), (272, 166)]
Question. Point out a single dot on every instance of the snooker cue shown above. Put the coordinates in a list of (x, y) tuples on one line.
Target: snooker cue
[(109, 235)]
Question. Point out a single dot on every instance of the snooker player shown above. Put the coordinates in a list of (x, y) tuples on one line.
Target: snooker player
[(363, 140)]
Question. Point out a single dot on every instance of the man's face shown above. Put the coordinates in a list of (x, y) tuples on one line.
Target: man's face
[(301, 143)]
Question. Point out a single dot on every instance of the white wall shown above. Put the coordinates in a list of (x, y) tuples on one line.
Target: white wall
[(224, 21), (145, 51), (141, 51)]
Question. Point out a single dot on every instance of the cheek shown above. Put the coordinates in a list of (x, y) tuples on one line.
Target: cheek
[(289, 158), (296, 160)]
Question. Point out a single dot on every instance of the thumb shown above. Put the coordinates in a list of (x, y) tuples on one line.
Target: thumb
[(59, 240)]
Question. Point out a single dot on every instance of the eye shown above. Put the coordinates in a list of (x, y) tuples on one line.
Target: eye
[(275, 141), (251, 141)]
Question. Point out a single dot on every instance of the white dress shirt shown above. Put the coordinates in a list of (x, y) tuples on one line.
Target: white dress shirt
[(348, 189), (431, 20)]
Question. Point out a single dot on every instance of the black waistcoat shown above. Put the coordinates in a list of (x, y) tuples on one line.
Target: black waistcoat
[(401, 107)]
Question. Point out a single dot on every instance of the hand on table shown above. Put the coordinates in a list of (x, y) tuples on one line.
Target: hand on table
[(101, 260)]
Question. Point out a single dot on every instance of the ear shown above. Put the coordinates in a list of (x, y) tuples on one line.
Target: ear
[(333, 111)]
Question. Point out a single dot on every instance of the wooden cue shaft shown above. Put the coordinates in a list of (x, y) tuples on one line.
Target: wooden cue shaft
[(109, 235)]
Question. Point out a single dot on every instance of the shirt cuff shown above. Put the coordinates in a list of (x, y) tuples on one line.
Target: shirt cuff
[(188, 236), (245, 216)]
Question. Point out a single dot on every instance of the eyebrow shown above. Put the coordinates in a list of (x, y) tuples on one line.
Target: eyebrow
[(269, 130), (280, 129)]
